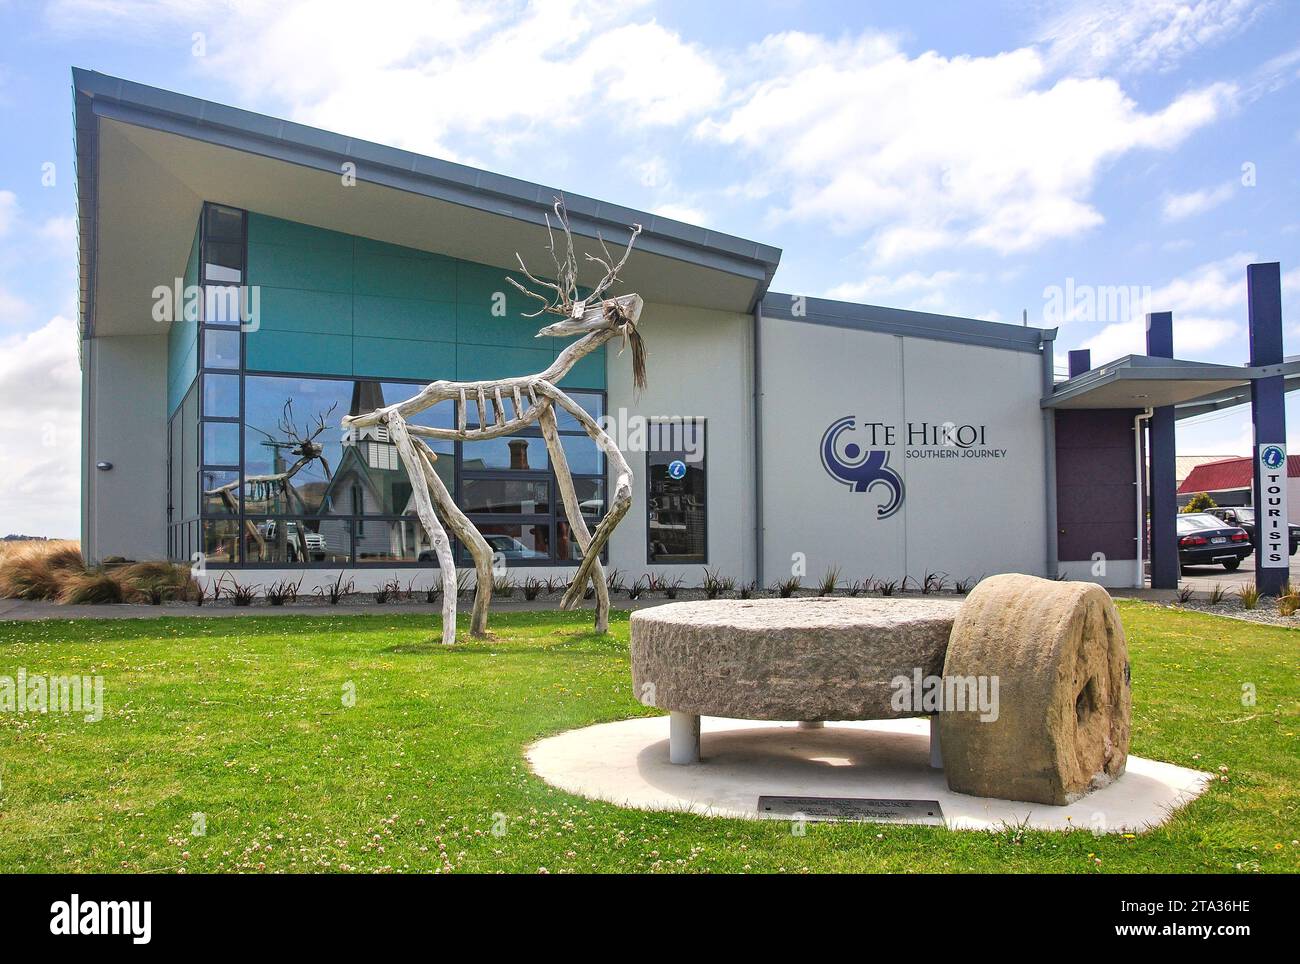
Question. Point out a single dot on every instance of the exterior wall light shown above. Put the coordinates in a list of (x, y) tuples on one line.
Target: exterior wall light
[(103, 466)]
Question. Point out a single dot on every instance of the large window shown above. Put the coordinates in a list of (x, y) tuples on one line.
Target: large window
[(265, 475), (301, 490), (508, 489), (676, 497)]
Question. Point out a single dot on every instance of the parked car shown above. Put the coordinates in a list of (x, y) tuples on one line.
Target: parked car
[(503, 546), (1205, 540), (315, 541), (1244, 516)]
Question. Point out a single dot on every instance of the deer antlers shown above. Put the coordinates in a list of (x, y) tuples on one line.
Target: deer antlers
[(287, 427), (565, 301)]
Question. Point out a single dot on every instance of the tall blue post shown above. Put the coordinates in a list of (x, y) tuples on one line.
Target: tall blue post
[(1163, 468), (1268, 418)]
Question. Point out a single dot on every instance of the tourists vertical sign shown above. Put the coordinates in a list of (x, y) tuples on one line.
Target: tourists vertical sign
[(1273, 550), (1268, 419)]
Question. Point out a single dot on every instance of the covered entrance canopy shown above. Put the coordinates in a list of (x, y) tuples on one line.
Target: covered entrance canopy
[(1146, 381)]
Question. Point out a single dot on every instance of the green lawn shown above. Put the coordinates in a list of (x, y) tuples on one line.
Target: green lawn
[(244, 721)]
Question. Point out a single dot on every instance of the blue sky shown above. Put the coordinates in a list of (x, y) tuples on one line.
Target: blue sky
[(955, 157)]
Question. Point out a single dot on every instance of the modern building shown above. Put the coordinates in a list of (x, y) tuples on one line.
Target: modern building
[(246, 282)]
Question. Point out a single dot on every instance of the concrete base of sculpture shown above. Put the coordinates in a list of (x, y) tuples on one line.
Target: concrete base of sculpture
[(626, 764)]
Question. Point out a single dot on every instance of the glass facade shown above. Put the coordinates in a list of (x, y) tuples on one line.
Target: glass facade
[(262, 473)]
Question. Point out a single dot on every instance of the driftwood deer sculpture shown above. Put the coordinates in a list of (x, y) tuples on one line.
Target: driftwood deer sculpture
[(595, 319)]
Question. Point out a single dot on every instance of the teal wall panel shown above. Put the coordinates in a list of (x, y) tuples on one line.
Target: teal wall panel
[(426, 278), (403, 358), (284, 266), (590, 371), (265, 230), (376, 309), (298, 309), (477, 362), (381, 317), (475, 326), (291, 351), (183, 340)]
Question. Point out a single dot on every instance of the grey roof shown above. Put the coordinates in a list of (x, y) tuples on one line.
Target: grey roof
[(100, 95), (899, 321), (1140, 381)]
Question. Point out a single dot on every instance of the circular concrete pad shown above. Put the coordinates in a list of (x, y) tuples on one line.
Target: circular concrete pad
[(626, 763)]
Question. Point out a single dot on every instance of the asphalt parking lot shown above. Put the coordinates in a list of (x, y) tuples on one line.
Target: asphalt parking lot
[(1204, 577)]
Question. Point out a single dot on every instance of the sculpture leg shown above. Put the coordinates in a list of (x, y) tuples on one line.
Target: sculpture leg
[(468, 534), (683, 738), (573, 511), (429, 519), (619, 503)]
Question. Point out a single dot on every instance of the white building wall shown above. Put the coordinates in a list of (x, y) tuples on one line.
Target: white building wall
[(964, 515), (699, 364), (125, 423)]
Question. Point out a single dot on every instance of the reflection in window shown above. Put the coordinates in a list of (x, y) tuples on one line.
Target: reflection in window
[(567, 546), (592, 403), (676, 497), (297, 540), (583, 455), (314, 492), (282, 474), (221, 396), (220, 348), (505, 454), (517, 496), (516, 542), (220, 541), (220, 492), (220, 443), (386, 541)]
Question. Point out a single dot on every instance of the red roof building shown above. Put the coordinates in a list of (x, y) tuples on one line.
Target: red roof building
[(1229, 474)]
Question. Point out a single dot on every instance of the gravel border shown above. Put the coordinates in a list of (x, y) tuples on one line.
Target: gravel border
[(1265, 612)]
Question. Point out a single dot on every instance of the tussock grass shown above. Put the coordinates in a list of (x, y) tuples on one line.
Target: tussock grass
[(54, 570), (36, 569), (92, 586), (156, 582)]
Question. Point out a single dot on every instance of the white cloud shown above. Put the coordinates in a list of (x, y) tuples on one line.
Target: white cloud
[(685, 213), (1207, 303), (1179, 206), (911, 283), (931, 152), (1088, 36), (500, 73), (40, 403), (1193, 337)]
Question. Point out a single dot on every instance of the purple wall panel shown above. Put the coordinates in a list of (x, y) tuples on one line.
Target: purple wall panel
[(1095, 498)]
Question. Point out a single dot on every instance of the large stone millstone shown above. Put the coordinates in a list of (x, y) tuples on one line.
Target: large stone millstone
[(1059, 653), (787, 659)]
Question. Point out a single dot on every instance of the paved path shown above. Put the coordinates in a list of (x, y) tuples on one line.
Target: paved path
[(1205, 577), (23, 610)]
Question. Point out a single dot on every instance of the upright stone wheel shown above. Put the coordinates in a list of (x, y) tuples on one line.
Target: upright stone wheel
[(1058, 652)]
